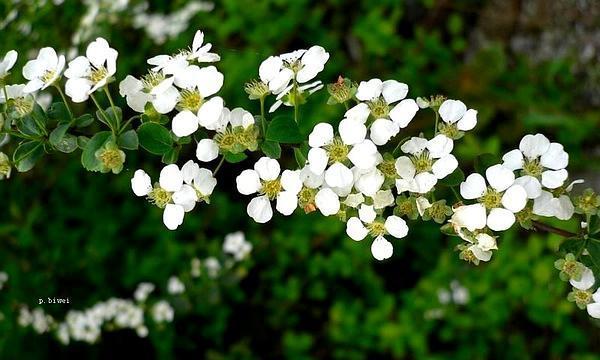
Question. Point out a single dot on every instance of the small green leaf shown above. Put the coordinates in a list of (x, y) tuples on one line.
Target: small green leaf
[(67, 144), (283, 129), (454, 179), (571, 245), (448, 229), (83, 121), (128, 140), (27, 154), (58, 111), (593, 259), (88, 156), (171, 156), (28, 126), (484, 161), (271, 149), (155, 138), (300, 157), (235, 158), (112, 119), (82, 141), (57, 134)]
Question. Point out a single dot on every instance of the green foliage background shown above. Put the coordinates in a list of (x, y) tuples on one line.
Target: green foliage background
[(309, 292)]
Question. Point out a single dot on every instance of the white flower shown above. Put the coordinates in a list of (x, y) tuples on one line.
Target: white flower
[(9, 60), (265, 181), (141, 184), (455, 113), (175, 286), (13, 92), (541, 161), (483, 246), (154, 88), (472, 217), (201, 52), (236, 245), (502, 198), (559, 207), (142, 291), (88, 73), (44, 70), (208, 149), (587, 280), (392, 225), (428, 161), (162, 312)]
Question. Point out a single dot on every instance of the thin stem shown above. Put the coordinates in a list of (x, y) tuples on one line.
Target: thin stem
[(455, 193), (263, 120), (346, 105), (296, 113), (112, 105), (102, 112), (295, 92), (64, 99), (219, 166), (17, 134), (437, 119), (5, 101), (128, 122), (400, 144), (551, 229)]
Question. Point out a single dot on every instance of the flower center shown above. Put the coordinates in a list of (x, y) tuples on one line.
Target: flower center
[(111, 158), (379, 108), (256, 89), (295, 65), (151, 80), (450, 130), (306, 198), (422, 162), (160, 197), (572, 268), (468, 256), (4, 167), (337, 151), (23, 105), (48, 76), (271, 188), (226, 140), (190, 100), (491, 199), (376, 228), (98, 74), (388, 168), (341, 90), (533, 168)]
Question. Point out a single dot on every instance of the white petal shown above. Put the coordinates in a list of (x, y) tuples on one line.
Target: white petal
[(291, 182), (468, 121), (403, 113), (352, 131), (354, 200), (210, 112), (414, 146), (317, 160), (405, 167), (473, 187), (382, 130), (564, 208), (189, 171), (78, 89), (269, 68), (366, 213), (422, 204), (587, 280), (281, 81), (553, 179), (359, 112), (327, 201), (355, 229), (248, 182), (452, 110), (480, 254), (472, 217), (207, 150), (555, 158), (425, 182), (321, 135), (185, 123), (513, 159), (186, 197), (544, 205), (369, 183), (486, 242), (383, 199), (381, 248), (141, 183), (596, 295), (500, 219), (259, 209), (287, 202), (440, 146), (205, 182), (531, 185), (240, 117), (173, 216), (267, 168), (338, 175), (209, 81), (165, 102), (171, 178), (444, 166), (78, 67), (364, 155), (533, 146), (594, 310), (514, 198), (499, 177), (396, 226), (368, 90), (393, 91)]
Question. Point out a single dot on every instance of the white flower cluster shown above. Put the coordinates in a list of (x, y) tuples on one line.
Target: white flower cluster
[(530, 181)]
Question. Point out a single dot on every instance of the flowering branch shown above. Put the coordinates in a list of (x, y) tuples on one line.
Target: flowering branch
[(551, 229)]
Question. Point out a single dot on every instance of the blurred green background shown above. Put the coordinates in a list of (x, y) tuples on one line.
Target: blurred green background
[(310, 291)]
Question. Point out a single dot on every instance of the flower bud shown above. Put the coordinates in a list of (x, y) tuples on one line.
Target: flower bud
[(587, 203), (111, 158), (341, 91), (5, 167)]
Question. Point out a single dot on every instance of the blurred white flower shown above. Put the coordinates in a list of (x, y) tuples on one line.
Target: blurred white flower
[(236, 245), (9, 60), (175, 286)]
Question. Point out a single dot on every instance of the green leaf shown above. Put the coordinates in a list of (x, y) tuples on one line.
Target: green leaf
[(271, 149), (300, 157), (27, 154), (67, 144), (571, 245), (57, 134), (112, 119), (59, 112), (235, 158), (171, 156), (484, 161), (593, 260), (454, 179), (28, 126), (83, 121), (128, 140), (155, 138), (283, 129), (82, 141), (448, 229), (88, 156)]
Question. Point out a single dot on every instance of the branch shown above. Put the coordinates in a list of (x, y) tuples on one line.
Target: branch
[(551, 229)]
